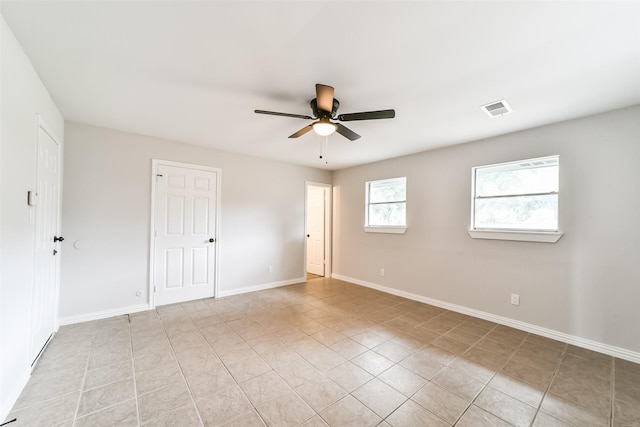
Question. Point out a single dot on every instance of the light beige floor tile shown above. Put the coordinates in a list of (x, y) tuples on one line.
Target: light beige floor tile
[(124, 414), (403, 380), (349, 412), (223, 406), (49, 384), (473, 369), (279, 356), (572, 413), (626, 413), (164, 376), (162, 400), (439, 401), (348, 348), (372, 362), (320, 392), (379, 397), (271, 328), (264, 387), (152, 360), (522, 391), (187, 416), (368, 339), (422, 365), (505, 407), (537, 377), (247, 368), (476, 417), (56, 411), (412, 414), (286, 410), (249, 419), (105, 396), (297, 372), (315, 421), (393, 350), (546, 420), (458, 383), (108, 374)]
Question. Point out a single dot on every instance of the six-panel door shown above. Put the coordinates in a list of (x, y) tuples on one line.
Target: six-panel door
[(185, 221)]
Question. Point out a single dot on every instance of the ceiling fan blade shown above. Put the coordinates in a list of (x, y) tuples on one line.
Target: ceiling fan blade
[(368, 115), (324, 95), (302, 131), (274, 113), (346, 132)]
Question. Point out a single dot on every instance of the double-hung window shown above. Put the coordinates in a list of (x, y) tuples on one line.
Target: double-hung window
[(516, 200), (386, 205)]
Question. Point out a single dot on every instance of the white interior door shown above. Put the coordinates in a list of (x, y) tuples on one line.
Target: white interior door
[(315, 230), (185, 235), (46, 228)]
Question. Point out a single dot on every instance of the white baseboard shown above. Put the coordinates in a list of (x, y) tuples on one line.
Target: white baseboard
[(618, 352), (262, 287), (79, 318), (10, 399)]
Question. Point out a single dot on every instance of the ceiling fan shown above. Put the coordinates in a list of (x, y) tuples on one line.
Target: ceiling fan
[(325, 110)]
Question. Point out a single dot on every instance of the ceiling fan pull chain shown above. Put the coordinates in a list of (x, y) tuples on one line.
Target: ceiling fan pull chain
[(325, 149)]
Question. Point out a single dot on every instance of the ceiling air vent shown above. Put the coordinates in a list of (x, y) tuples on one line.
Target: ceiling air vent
[(498, 108)]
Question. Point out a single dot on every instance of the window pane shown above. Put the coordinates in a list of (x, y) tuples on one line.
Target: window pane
[(387, 214), (388, 190), (495, 182), (525, 212)]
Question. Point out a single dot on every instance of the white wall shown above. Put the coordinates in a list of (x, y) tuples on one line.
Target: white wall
[(22, 97), (106, 206), (586, 285)]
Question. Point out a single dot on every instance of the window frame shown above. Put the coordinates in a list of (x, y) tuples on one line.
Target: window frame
[(516, 234), (390, 229)]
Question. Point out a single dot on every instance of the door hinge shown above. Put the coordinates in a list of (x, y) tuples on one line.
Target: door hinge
[(155, 289)]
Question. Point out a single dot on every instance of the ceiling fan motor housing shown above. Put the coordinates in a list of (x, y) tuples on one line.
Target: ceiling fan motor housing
[(323, 114)]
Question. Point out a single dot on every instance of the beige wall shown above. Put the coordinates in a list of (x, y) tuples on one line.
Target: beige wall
[(23, 96), (106, 206), (586, 285)]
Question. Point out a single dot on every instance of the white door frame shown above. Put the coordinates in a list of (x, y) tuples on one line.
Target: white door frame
[(152, 237), (41, 124), (328, 199)]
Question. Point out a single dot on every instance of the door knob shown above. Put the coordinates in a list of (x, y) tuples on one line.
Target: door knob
[(212, 240), (58, 239)]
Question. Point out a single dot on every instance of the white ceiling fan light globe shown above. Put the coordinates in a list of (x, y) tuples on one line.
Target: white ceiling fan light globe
[(324, 128)]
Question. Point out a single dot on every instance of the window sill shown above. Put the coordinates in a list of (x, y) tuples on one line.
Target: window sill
[(387, 229), (521, 236)]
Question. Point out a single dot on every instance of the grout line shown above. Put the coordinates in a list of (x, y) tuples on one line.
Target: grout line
[(613, 390), (133, 371), (84, 378), (175, 355), (553, 377)]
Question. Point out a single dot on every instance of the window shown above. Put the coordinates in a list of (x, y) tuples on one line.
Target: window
[(517, 197), (386, 210)]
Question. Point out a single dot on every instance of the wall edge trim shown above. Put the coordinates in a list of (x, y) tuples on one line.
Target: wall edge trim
[(7, 405), (103, 314), (261, 287), (619, 352)]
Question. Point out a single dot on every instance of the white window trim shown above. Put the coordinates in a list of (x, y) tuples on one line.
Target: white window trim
[(391, 229), (513, 235), (520, 236)]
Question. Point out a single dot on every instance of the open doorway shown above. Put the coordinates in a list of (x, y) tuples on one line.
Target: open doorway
[(318, 230)]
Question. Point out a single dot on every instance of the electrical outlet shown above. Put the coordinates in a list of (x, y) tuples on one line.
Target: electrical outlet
[(515, 299), (271, 269), (382, 272)]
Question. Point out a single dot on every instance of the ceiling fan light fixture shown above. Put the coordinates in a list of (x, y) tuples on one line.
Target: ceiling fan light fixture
[(324, 128)]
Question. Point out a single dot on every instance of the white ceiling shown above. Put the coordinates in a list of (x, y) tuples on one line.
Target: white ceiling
[(195, 71)]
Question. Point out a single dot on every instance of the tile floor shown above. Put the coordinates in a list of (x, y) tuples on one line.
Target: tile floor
[(317, 354)]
